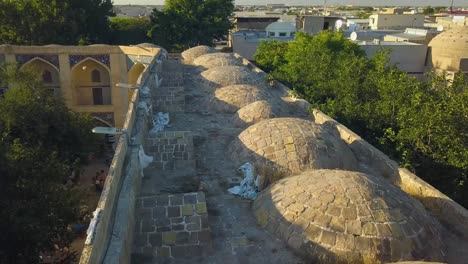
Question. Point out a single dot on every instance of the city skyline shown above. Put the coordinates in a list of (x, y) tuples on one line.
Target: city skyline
[(317, 2)]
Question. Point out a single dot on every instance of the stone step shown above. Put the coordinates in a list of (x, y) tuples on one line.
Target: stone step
[(171, 227)]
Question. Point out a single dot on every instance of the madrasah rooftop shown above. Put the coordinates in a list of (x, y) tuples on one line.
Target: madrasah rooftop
[(326, 195)]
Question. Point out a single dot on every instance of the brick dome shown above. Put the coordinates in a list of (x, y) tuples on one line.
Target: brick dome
[(213, 60), (230, 75), (191, 54), (334, 216), (292, 145)]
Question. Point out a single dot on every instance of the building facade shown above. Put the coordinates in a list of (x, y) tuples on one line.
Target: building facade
[(86, 76), (390, 21)]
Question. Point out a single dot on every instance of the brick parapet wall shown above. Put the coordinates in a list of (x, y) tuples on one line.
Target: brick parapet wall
[(113, 233)]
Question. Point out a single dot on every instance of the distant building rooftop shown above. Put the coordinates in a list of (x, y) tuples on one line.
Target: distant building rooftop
[(388, 43)]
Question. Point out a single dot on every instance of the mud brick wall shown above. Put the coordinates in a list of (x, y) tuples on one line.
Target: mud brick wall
[(170, 148)]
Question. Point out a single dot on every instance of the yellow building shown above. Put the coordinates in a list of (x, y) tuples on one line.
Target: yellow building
[(86, 76)]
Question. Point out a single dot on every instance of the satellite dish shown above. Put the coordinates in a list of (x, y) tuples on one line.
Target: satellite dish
[(440, 28), (338, 24), (353, 36)]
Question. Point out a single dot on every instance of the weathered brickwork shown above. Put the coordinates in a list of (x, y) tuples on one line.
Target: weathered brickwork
[(213, 60), (172, 226), (229, 75), (169, 148), (169, 99), (253, 113), (191, 54), (342, 215), (292, 144), (170, 95), (231, 98)]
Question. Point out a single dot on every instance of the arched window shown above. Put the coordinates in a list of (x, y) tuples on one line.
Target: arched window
[(46, 76), (95, 76)]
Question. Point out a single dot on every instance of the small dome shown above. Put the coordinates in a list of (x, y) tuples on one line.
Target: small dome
[(230, 75), (148, 45), (191, 54), (253, 113), (333, 216), (449, 48), (281, 26), (217, 60), (230, 98), (291, 145)]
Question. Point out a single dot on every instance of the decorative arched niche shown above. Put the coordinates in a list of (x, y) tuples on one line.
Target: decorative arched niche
[(91, 83)]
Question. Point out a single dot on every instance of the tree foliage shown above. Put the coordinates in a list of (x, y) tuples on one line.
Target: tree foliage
[(422, 124), (41, 22), (187, 23), (129, 31), (41, 142), (428, 10)]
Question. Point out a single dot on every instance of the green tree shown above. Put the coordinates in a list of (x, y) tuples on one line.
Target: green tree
[(428, 10), (41, 22), (364, 15), (270, 54), (129, 31), (40, 143), (187, 23)]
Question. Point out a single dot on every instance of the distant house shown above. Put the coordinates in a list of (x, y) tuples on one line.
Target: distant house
[(315, 24), (407, 56), (389, 21), (246, 42)]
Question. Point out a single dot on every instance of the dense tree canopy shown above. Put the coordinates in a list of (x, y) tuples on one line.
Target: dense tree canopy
[(422, 124), (41, 22), (129, 31), (187, 23), (41, 143)]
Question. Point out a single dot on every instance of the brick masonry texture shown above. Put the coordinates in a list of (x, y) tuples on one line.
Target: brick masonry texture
[(348, 215), (170, 147), (229, 75), (231, 98), (172, 226), (212, 60), (253, 113), (292, 145)]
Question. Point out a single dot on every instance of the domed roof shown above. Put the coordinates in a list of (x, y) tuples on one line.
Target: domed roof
[(348, 217), (191, 54), (230, 75), (230, 98), (448, 48), (253, 113), (148, 45), (291, 145), (281, 26), (217, 60)]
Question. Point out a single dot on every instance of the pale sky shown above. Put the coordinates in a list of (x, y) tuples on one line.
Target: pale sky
[(320, 2)]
